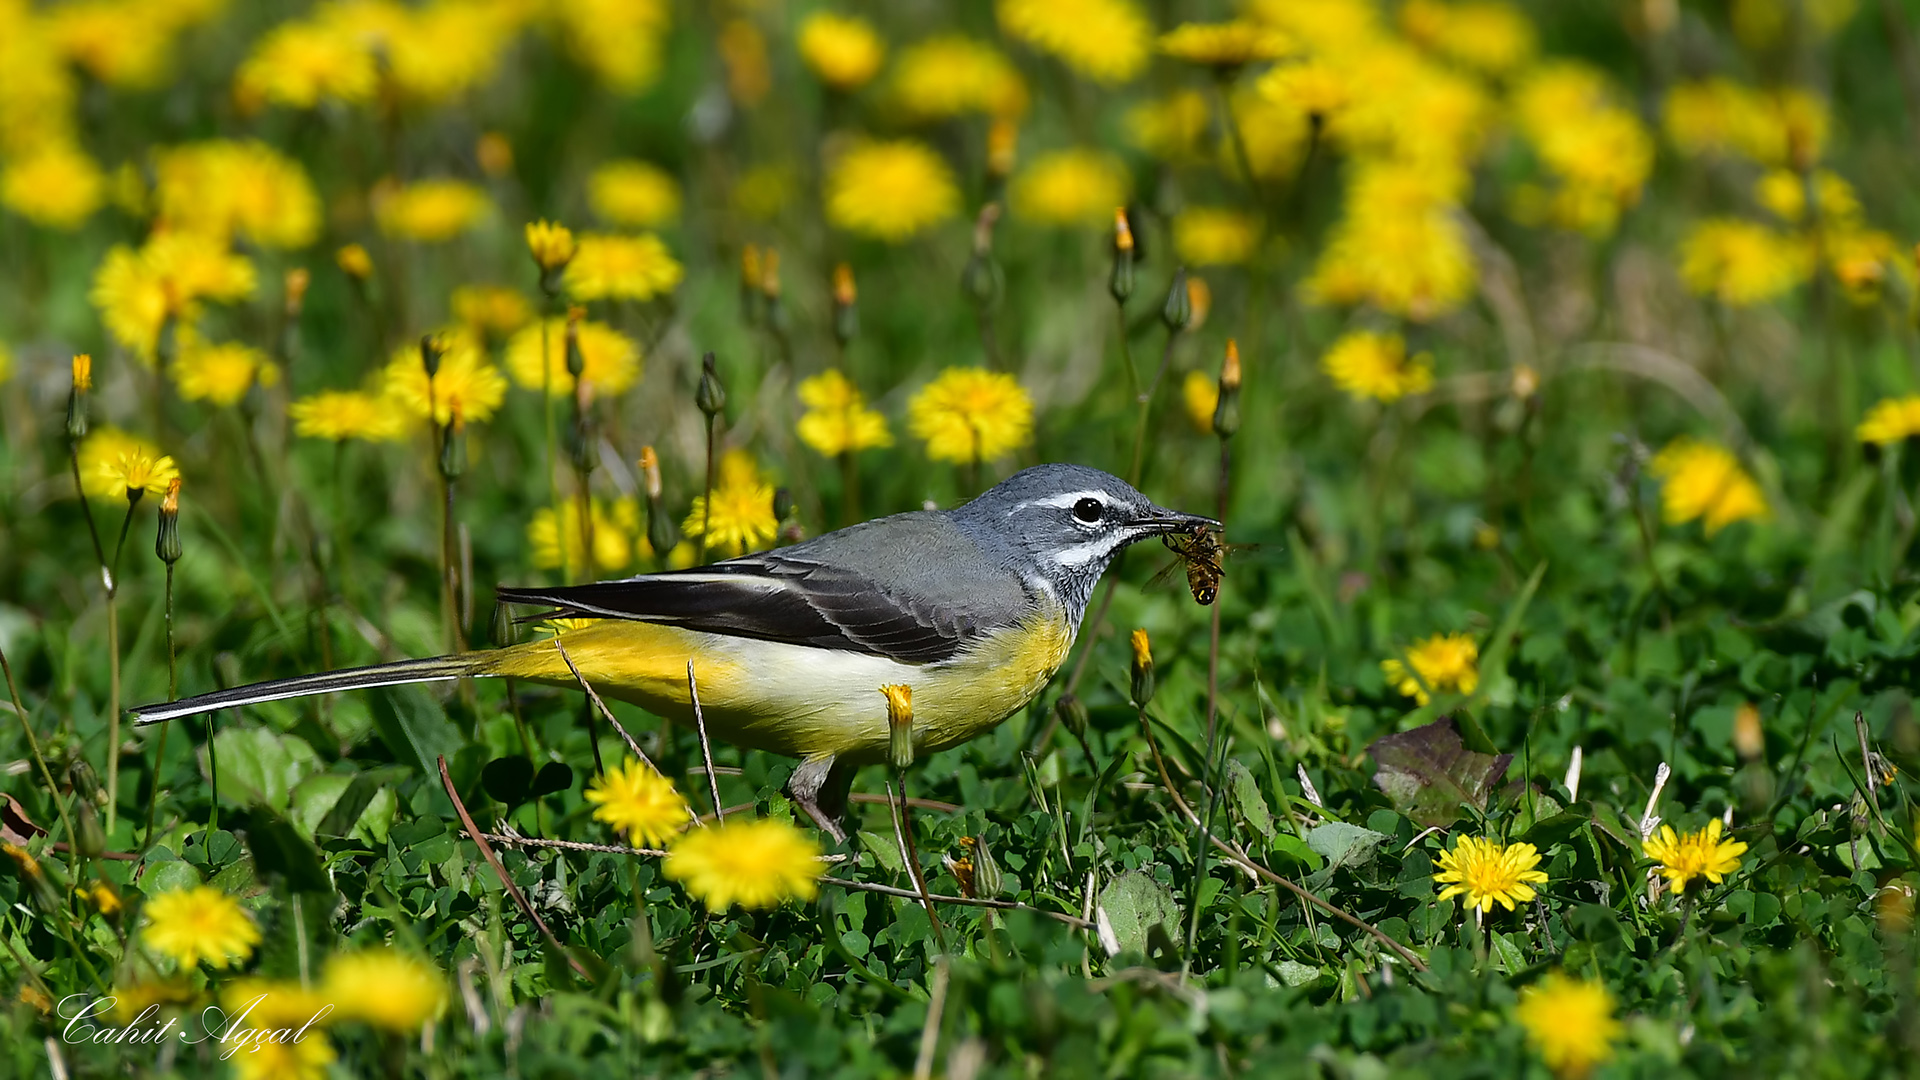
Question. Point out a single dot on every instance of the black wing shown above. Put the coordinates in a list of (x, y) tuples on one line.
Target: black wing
[(775, 599)]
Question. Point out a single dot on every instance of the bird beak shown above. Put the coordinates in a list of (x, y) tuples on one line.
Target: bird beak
[(1162, 522)]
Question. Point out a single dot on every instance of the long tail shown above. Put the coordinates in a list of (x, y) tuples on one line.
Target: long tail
[(433, 669)]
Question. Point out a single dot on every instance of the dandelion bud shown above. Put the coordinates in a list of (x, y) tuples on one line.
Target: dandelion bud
[(1002, 139), (105, 900), (770, 274), (552, 247), (166, 542), (982, 280), (453, 442), (846, 317), (1201, 299), (354, 261), (430, 353), (84, 781), (297, 280), (650, 472), (1121, 283), (494, 153), (87, 833), (1748, 738), (1226, 414), (782, 503), (899, 724), (77, 400), (1143, 684), (987, 878), (576, 360), (1177, 312), (1893, 906), (47, 896), (1072, 713), (711, 394)]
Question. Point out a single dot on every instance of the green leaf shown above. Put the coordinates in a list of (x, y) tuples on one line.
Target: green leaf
[(1507, 953), (414, 727), (1344, 844), (507, 779), (1293, 847), (260, 767), (1428, 772), (1296, 974), (353, 806), (171, 875), (1131, 907), (1248, 800), (553, 778), (279, 850)]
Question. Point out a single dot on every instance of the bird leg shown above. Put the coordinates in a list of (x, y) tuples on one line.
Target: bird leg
[(819, 787)]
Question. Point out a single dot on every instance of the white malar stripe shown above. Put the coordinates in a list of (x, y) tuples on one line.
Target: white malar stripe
[(1089, 552)]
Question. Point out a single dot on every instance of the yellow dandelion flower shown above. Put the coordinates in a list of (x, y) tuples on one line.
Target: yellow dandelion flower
[(1080, 186), (742, 516), (1570, 1022), (1890, 421), (272, 1003), (619, 41), (1487, 872), (1443, 662), (115, 464), (1107, 41), (610, 360), (890, 190), (1311, 87), (1398, 244), (837, 420), (1686, 856), (429, 211), (1741, 262), (224, 188), (221, 374), (385, 988), (609, 267), (307, 1059), (431, 53), (614, 528), (1215, 236), (1705, 481), (743, 52), (1786, 127), (346, 414), (132, 999), (56, 185), (1784, 193), (634, 195), (950, 74), (137, 291), (199, 924), (1372, 365), (638, 801), (551, 245), (1592, 143), (1225, 45), (971, 415), (354, 261), (6, 362), (843, 51), (1172, 128), (298, 64), (464, 376), (1200, 393), (1491, 38), (755, 864), (1860, 260), (127, 45), (490, 310)]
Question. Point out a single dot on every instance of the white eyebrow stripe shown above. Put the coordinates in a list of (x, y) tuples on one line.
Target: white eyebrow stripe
[(1061, 502)]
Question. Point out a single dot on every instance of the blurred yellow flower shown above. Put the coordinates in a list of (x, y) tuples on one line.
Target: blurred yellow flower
[(221, 374), (1172, 128), (1374, 365), (1273, 133), (385, 988), (465, 376), (1861, 259), (132, 999), (298, 64), (346, 414), (634, 195), (743, 52), (1334, 27), (1225, 45), (225, 188), (1786, 127), (1398, 245), (271, 1003), (639, 802), (1487, 872), (764, 190), (890, 190), (755, 864), (122, 43), (742, 519), (610, 360), (1215, 236), (837, 420), (606, 266), (1784, 194), (1570, 1022), (620, 41), (354, 261), (1741, 262), (1078, 186), (1594, 145), (56, 185), (490, 310), (431, 53), (1200, 393), (115, 465), (199, 924), (950, 74), (429, 211), (136, 292), (307, 1059), (614, 530), (1705, 481), (1444, 662), (1108, 41), (1684, 857), (1311, 87), (971, 415), (842, 50), (1490, 37)]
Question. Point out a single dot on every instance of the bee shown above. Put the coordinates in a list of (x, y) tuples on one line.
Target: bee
[(1204, 554)]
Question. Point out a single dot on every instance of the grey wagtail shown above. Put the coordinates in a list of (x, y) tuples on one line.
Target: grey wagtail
[(975, 608)]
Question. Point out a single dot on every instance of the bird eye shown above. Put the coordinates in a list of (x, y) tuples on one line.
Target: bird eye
[(1088, 510)]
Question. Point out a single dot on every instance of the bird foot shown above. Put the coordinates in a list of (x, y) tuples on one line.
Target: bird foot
[(819, 787)]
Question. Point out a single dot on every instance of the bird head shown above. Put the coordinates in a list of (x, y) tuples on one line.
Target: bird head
[(1065, 523)]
